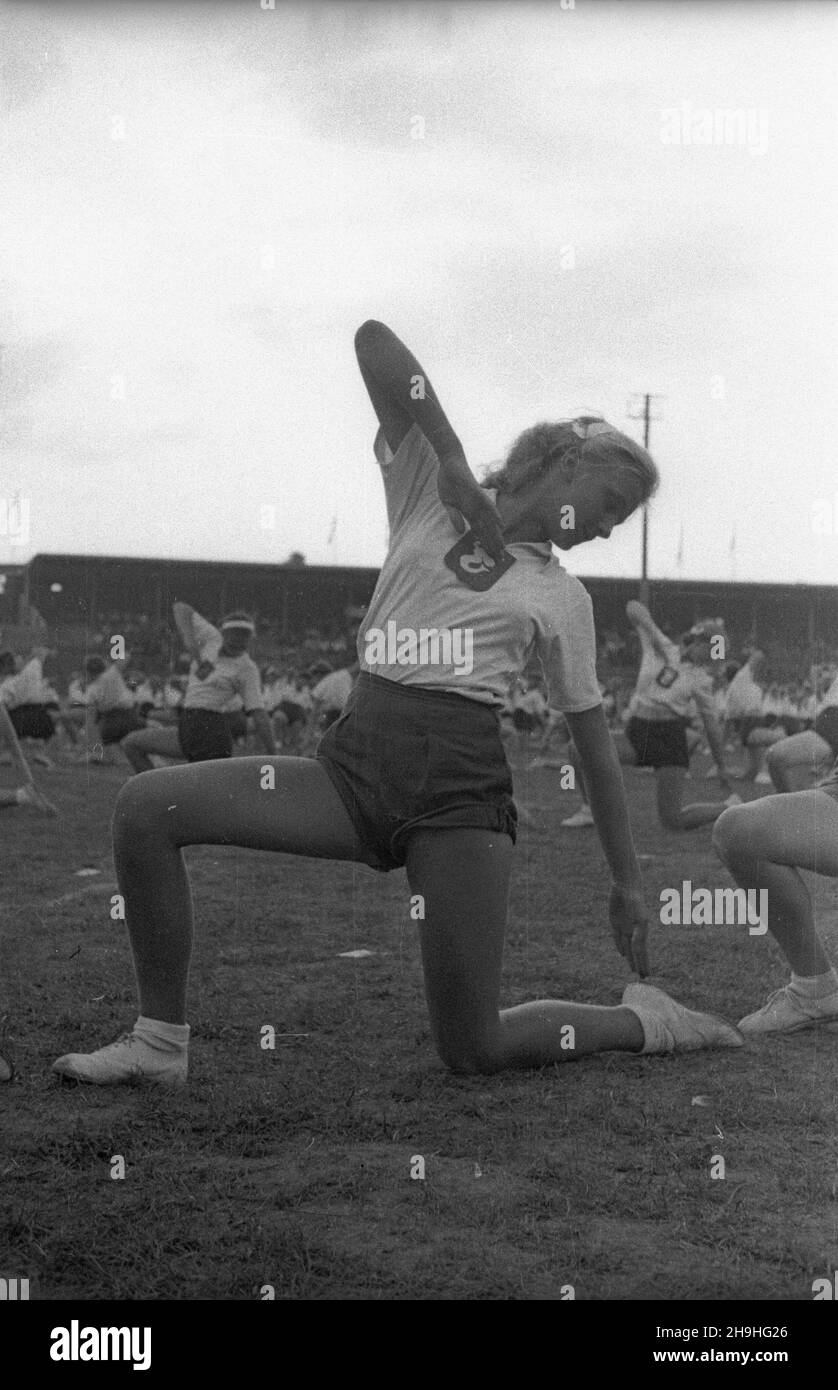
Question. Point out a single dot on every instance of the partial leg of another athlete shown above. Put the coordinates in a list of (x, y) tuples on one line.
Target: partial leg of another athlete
[(764, 845), (672, 813), (26, 795), (139, 746), (795, 763)]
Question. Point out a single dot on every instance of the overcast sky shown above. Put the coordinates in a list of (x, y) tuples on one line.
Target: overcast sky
[(201, 203)]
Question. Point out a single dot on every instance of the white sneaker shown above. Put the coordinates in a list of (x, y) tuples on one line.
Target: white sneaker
[(129, 1058), (734, 800), (788, 1012), (669, 1027), (30, 796), (580, 818), (763, 779)]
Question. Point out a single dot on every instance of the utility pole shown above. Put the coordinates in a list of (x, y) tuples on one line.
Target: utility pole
[(644, 413)]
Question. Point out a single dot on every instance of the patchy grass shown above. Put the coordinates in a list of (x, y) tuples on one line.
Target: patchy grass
[(292, 1167)]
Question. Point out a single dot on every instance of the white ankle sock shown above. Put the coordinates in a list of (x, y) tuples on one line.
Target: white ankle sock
[(175, 1034), (815, 986)]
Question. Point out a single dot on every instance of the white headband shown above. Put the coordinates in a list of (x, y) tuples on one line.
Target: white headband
[(238, 622)]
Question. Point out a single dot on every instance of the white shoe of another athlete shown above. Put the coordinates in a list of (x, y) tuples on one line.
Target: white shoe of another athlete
[(579, 819), (669, 1027), (30, 796), (763, 779), (788, 1012), (734, 800), (129, 1058)]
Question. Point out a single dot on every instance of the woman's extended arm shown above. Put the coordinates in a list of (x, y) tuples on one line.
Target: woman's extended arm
[(607, 798), (641, 619), (400, 391), (183, 615), (402, 396)]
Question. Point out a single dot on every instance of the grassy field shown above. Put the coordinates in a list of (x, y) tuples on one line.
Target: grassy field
[(292, 1167)]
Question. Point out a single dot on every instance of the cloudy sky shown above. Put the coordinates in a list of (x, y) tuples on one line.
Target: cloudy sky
[(202, 202)]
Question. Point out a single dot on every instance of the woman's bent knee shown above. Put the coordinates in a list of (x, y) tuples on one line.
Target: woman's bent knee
[(728, 833), (138, 812)]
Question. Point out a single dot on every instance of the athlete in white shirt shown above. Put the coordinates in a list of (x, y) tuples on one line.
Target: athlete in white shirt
[(220, 670), (672, 681), (414, 773)]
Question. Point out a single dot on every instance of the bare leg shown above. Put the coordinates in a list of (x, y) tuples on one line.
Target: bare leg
[(139, 746), (764, 844), (212, 803), (463, 876), (673, 815), (796, 762)]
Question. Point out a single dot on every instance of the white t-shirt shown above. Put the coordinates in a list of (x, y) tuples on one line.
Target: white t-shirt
[(215, 681), (667, 686), (25, 688), (172, 696), (108, 692), (476, 641), (334, 690), (831, 696), (744, 696)]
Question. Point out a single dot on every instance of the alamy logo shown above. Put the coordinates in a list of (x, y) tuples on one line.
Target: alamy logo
[(686, 124), (721, 907), (75, 1343), (14, 1290), (427, 646)]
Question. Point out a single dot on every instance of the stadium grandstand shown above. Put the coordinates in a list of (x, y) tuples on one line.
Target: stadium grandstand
[(86, 598)]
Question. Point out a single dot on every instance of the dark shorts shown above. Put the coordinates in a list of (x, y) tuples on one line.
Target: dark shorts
[(295, 714), (237, 723), (659, 742), (114, 724), (791, 725), (826, 725), (31, 721), (402, 757), (746, 725), (204, 735)]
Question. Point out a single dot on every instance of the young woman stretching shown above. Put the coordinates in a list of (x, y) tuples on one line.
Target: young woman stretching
[(413, 772), (670, 681)]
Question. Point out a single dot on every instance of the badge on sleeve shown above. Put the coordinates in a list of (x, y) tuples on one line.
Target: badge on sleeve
[(474, 566)]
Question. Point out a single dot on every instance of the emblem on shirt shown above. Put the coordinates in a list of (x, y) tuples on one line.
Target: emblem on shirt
[(473, 565), (204, 669), (666, 676)]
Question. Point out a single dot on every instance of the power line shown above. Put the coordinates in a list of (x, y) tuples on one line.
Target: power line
[(644, 413)]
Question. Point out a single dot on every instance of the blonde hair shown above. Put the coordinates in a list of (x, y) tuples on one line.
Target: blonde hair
[(587, 441)]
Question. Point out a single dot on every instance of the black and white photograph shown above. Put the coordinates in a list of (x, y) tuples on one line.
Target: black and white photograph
[(419, 665)]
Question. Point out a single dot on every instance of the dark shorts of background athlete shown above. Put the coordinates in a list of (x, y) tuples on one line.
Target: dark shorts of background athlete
[(31, 721), (237, 723), (204, 735), (826, 725), (115, 724), (405, 757), (659, 742), (295, 714)]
